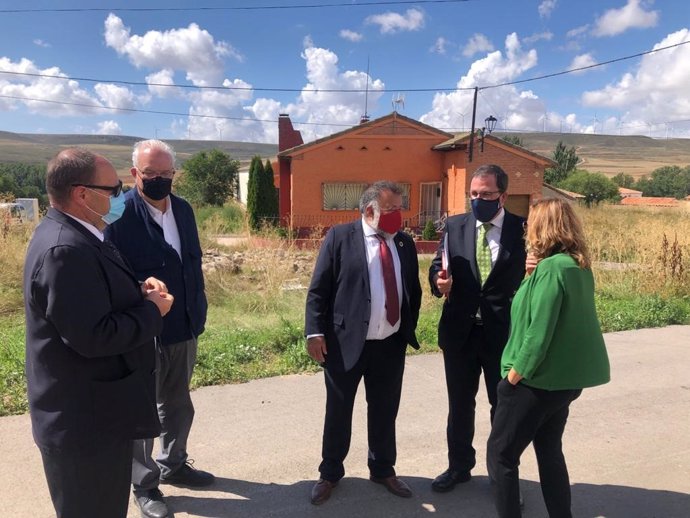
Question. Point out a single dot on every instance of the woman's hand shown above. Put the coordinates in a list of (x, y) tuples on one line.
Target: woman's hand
[(513, 377)]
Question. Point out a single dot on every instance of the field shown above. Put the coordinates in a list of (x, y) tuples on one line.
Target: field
[(608, 154), (256, 295)]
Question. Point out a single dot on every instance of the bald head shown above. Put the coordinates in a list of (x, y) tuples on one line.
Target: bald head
[(70, 166)]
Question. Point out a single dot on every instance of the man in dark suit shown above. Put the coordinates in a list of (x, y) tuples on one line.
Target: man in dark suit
[(486, 263), (90, 329), (362, 309), (157, 234)]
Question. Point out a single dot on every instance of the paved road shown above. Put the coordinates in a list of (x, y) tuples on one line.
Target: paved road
[(627, 444)]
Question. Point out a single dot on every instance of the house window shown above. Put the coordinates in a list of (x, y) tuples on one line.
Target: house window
[(345, 196), (342, 196)]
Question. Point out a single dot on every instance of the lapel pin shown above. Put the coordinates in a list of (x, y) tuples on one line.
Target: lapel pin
[(400, 244)]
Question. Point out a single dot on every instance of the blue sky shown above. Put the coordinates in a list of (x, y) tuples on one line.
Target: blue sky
[(110, 58)]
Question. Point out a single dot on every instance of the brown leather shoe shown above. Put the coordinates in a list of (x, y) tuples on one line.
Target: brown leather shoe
[(322, 491), (394, 485)]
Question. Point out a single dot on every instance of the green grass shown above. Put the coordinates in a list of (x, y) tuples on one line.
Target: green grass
[(12, 378)]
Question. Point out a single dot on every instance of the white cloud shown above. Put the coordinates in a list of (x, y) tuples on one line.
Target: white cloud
[(40, 43), (476, 44), (353, 36), (583, 60), (546, 8), (115, 96), (577, 31), (546, 36), (63, 95), (515, 109), (315, 106), (655, 92), (631, 16), (191, 49), (390, 22), (440, 46), (108, 128), (163, 77)]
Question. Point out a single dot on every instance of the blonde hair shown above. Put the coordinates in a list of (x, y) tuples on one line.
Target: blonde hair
[(552, 228)]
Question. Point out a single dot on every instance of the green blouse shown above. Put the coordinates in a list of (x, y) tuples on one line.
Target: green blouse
[(555, 339)]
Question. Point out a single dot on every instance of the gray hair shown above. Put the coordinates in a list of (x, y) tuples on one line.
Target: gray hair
[(70, 166), (372, 193), (495, 171), (151, 144)]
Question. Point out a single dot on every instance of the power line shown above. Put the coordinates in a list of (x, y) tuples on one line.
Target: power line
[(159, 112), (340, 90), (230, 8)]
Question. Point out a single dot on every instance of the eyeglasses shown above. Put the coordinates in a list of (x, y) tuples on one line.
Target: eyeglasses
[(484, 195), (153, 174), (115, 190)]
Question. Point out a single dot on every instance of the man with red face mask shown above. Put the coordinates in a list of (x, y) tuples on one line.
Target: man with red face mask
[(362, 309)]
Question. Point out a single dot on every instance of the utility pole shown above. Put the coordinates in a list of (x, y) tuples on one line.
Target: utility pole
[(474, 115)]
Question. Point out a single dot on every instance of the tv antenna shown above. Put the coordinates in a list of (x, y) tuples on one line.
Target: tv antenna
[(398, 100), (365, 117)]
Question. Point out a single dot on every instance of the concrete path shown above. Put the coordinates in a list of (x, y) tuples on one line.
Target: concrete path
[(627, 445)]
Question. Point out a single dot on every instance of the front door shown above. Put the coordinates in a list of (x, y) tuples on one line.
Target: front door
[(430, 202)]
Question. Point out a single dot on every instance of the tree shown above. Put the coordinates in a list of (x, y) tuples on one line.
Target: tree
[(210, 178), (668, 181), (567, 160), (262, 198), (595, 187), (623, 180)]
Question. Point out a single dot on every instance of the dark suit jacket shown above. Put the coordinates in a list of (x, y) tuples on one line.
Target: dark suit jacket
[(467, 295), (89, 341), (140, 239), (339, 301)]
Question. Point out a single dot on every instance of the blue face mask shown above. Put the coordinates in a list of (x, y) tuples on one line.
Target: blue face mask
[(117, 208), (485, 210)]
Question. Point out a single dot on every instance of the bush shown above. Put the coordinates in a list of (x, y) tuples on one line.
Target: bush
[(640, 311), (429, 232)]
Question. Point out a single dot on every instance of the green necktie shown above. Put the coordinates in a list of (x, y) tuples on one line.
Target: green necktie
[(483, 252)]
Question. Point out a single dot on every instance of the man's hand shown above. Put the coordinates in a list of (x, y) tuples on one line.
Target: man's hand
[(316, 348), (163, 301), (153, 284), (443, 285), (531, 263), (513, 377)]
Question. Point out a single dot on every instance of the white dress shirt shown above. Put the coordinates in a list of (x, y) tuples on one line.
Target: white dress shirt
[(166, 220), (379, 327), (88, 226)]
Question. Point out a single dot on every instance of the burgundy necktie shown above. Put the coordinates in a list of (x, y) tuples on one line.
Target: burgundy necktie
[(389, 282)]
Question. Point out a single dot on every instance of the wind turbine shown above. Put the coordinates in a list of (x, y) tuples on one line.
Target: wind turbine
[(594, 122)]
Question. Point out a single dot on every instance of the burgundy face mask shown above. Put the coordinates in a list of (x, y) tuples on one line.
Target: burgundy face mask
[(390, 222)]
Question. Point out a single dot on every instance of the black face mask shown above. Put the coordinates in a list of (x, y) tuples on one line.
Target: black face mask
[(485, 210), (157, 188)]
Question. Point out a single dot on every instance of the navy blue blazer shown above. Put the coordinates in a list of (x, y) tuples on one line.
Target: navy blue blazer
[(140, 239), (339, 301), (89, 341), (467, 295)]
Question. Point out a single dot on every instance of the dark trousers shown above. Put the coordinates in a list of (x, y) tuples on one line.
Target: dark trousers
[(85, 485), (174, 367), (523, 415), (464, 365), (381, 365)]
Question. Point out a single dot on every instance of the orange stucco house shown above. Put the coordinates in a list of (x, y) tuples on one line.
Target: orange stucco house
[(320, 182)]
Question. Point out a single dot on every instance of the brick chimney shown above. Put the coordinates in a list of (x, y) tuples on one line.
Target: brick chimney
[(287, 136)]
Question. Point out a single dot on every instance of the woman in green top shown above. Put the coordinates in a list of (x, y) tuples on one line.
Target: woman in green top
[(555, 350)]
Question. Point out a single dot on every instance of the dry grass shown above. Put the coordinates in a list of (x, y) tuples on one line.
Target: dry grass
[(14, 239)]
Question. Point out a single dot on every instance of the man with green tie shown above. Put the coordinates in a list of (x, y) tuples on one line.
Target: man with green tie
[(478, 268)]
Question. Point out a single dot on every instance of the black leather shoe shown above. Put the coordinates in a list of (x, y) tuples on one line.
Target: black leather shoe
[(447, 480), (188, 476), (394, 485), (322, 491), (151, 504)]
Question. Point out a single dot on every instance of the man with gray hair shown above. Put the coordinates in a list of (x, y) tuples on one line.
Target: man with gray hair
[(361, 312), (158, 235)]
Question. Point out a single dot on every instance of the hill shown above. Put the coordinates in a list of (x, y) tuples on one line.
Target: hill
[(635, 155), (609, 154)]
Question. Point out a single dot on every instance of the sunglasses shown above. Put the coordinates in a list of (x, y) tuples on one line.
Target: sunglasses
[(115, 190)]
